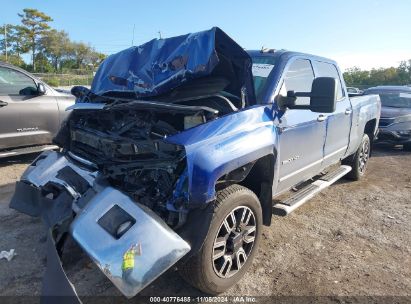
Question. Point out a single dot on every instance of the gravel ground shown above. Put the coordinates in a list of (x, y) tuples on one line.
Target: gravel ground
[(354, 239)]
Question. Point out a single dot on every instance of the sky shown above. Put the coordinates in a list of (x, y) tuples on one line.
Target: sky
[(364, 33)]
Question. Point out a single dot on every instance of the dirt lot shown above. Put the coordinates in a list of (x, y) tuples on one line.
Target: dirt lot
[(354, 239)]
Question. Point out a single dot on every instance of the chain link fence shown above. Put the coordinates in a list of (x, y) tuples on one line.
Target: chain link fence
[(65, 80)]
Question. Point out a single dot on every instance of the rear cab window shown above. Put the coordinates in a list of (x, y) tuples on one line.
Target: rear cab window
[(325, 69)]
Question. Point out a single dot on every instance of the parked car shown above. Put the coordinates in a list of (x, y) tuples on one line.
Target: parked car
[(179, 147), (395, 121), (31, 112), (354, 91)]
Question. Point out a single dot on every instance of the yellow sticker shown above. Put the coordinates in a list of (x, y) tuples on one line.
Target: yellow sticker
[(128, 257)]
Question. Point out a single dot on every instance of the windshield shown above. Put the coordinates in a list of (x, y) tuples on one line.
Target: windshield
[(396, 100), (262, 67)]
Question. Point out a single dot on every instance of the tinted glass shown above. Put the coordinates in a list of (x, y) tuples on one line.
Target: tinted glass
[(299, 78), (396, 100), (262, 67), (324, 69), (15, 83)]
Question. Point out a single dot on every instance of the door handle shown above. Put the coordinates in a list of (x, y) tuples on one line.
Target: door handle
[(3, 103), (348, 111), (321, 117)]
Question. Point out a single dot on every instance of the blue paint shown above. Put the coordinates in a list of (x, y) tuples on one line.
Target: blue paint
[(261, 128), (161, 65), (217, 147), (180, 192)]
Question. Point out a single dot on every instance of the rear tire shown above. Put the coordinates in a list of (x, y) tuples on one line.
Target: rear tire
[(231, 242), (359, 160)]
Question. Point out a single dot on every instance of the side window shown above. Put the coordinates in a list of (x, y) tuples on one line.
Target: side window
[(15, 83), (324, 69), (298, 78)]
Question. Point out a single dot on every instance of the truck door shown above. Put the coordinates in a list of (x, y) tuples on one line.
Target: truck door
[(338, 123), (302, 137), (26, 118)]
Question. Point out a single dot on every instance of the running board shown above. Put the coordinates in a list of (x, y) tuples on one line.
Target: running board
[(27, 150), (303, 195)]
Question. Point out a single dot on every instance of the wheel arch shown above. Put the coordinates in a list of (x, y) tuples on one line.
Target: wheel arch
[(370, 129), (258, 178)]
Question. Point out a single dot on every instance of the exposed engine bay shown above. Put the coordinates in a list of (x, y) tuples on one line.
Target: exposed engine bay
[(129, 148), (130, 152)]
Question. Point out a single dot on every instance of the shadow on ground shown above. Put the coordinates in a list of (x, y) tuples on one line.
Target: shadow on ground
[(18, 159)]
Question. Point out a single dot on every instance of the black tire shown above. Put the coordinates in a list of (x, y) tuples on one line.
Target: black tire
[(202, 270), (359, 160), (407, 147)]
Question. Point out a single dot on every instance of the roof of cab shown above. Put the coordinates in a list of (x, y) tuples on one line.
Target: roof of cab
[(287, 54)]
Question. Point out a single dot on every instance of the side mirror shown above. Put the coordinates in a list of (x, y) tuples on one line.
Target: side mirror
[(322, 96), (41, 89)]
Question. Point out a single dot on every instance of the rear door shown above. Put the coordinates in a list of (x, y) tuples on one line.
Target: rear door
[(303, 132), (25, 117), (338, 123)]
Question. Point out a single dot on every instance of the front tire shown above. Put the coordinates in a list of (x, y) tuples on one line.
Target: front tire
[(360, 159), (231, 242)]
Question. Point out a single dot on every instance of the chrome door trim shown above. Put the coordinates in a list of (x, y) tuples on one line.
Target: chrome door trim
[(335, 152)]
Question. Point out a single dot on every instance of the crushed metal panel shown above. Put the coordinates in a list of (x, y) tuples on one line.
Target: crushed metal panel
[(130, 259), (56, 286), (161, 65)]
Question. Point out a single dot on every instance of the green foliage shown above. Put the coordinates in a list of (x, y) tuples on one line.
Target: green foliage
[(52, 81), (13, 59), (56, 45), (43, 64), (34, 27), (51, 50), (382, 76), (16, 41)]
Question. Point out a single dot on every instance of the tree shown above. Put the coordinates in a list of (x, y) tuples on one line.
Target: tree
[(97, 58), (81, 53), (16, 40), (382, 76), (56, 45), (13, 59), (85, 56), (35, 24)]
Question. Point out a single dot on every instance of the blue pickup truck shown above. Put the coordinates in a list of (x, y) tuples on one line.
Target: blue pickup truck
[(175, 155)]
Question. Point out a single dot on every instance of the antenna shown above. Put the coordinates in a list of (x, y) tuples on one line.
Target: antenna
[(132, 41)]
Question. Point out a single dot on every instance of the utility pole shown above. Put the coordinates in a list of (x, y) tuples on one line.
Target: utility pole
[(5, 40)]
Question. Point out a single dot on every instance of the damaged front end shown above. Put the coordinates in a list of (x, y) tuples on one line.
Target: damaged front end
[(120, 185), (128, 241)]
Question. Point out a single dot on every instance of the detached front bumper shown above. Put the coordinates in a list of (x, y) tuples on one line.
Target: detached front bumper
[(127, 241)]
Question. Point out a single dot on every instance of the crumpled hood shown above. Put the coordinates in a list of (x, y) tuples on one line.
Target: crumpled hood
[(162, 65)]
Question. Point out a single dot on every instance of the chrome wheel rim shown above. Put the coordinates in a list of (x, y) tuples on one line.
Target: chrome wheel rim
[(364, 156), (234, 242)]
